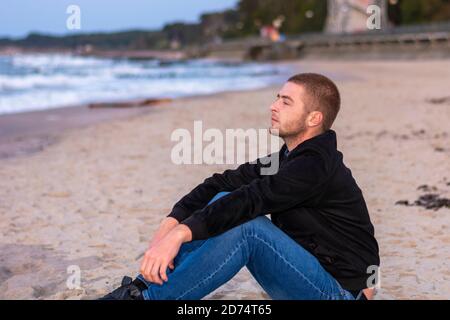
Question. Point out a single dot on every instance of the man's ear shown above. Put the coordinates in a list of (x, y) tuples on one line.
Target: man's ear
[(315, 118)]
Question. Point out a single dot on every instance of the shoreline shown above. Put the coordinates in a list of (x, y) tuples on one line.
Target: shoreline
[(27, 132)]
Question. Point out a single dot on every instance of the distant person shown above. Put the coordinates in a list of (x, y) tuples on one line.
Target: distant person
[(270, 32), (319, 242)]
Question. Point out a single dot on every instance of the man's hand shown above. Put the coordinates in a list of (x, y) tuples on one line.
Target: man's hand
[(164, 228), (166, 225), (160, 256)]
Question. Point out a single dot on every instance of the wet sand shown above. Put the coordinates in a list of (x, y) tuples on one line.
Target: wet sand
[(92, 195), (29, 132)]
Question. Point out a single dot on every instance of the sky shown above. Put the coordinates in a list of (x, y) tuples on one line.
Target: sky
[(20, 17)]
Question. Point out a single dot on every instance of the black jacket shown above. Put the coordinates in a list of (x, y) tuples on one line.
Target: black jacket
[(313, 198)]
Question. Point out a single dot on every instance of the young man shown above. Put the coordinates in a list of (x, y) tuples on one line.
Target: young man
[(319, 242)]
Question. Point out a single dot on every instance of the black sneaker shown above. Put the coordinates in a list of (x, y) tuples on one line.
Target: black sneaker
[(129, 290)]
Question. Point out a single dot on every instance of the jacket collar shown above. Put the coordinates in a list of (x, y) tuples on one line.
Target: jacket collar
[(325, 143)]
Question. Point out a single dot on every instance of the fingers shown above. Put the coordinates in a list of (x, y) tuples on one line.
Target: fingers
[(155, 272), (143, 267), (155, 265), (146, 268), (162, 271), (150, 271)]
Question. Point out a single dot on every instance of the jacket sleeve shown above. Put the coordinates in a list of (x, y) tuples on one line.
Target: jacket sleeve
[(229, 180), (294, 183)]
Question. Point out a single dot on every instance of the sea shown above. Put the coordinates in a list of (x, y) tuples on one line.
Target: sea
[(31, 82)]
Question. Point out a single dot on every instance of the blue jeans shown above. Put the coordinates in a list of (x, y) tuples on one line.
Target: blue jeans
[(283, 268)]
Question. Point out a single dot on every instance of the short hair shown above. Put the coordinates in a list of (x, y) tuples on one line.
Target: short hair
[(323, 93)]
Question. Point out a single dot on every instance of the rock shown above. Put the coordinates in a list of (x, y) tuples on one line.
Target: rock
[(428, 200)]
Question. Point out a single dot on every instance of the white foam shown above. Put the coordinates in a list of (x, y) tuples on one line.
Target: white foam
[(36, 82), (56, 60)]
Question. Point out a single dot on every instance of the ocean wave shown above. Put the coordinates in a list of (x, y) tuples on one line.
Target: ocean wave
[(47, 99), (35, 82), (57, 60), (14, 83)]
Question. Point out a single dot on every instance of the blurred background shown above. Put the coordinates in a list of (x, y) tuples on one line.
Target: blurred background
[(63, 53)]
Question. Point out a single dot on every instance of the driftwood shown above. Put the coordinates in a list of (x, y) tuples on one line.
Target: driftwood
[(129, 104), (439, 100)]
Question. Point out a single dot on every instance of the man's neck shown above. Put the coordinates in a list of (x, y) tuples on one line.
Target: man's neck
[(294, 141)]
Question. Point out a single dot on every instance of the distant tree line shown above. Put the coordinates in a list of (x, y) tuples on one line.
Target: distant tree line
[(404, 12), (293, 16)]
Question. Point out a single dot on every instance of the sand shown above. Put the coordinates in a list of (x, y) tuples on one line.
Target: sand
[(93, 195)]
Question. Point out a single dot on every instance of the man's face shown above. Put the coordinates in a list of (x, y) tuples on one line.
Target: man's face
[(289, 111)]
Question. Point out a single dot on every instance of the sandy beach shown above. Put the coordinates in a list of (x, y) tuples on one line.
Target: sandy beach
[(93, 194)]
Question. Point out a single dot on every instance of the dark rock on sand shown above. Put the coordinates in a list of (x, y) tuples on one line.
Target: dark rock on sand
[(428, 200), (432, 201), (426, 188)]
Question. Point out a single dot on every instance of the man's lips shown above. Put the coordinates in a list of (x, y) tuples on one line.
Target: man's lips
[(275, 120)]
